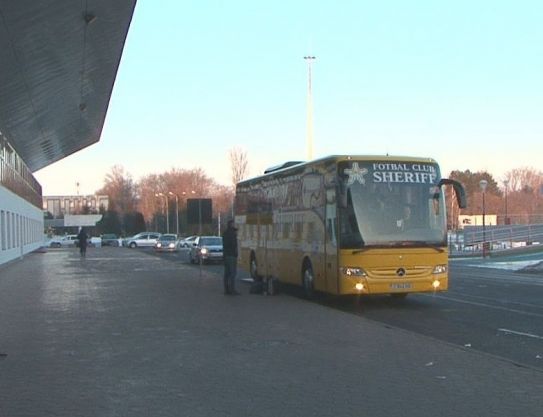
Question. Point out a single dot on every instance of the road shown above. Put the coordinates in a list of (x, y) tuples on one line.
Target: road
[(492, 310)]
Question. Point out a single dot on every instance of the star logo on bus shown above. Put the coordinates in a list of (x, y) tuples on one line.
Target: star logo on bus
[(355, 173)]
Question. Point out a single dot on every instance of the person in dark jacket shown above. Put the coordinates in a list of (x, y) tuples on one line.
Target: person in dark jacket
[(82, 241), (230, 254)]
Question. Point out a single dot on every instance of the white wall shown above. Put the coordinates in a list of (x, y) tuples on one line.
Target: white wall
[(21, 226), (477, 220)]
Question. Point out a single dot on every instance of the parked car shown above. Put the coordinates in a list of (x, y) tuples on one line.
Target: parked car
[(63, 241), (110, 239), (95, 242), (206, 248), (141, 240), (166, 243), (187, 241)]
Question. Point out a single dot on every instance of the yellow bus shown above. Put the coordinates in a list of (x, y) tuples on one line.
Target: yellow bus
[(347, 225)]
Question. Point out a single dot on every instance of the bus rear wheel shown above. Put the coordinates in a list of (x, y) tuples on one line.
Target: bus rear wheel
[(307, 281)]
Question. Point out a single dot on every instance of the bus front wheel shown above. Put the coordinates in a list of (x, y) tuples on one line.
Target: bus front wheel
[(307, 281)]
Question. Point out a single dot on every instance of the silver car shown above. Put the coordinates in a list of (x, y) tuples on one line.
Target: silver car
[(63, 241), (187, 241), (142, 239), (206, 248)]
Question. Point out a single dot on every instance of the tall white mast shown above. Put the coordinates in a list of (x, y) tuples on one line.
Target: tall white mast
[(309, 60)]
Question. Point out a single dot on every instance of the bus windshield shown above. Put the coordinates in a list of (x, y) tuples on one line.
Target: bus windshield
[(397, 212)]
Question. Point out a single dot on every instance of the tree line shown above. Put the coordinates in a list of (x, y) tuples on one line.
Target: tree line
[(158, 200), (516, 199)]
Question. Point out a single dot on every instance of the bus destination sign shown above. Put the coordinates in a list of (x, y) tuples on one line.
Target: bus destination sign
[(391, 172)]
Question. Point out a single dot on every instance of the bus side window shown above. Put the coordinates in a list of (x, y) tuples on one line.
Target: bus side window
[(350, 234), (331, 231), (331, 216)]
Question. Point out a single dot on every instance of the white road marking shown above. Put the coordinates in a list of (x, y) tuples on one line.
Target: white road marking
[(487, 275), (482, 305), (520, 333)]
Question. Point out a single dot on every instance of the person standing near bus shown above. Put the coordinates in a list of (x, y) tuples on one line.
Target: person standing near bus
[(230, 254), (82, 238)]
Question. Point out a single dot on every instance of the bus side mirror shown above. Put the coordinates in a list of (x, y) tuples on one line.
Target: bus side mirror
[(458, 190)]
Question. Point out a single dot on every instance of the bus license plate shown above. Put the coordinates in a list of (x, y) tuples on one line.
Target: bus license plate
[(401, 286)]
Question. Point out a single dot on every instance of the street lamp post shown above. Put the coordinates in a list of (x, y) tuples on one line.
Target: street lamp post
[(483, 184), (176, 211), (505, 184), (200, 216), (167, 210)]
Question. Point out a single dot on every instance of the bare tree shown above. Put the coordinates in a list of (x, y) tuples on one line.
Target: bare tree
[(525, 195), (239, 164), (121, 190), (519, 179), (177, 185), (149, 204)]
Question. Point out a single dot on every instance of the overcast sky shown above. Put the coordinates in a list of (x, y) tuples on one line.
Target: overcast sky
[(459, 81)]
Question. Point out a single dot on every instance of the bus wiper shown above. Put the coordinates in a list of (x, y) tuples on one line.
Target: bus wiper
[(418, 243), (368, 247), (400, 243)]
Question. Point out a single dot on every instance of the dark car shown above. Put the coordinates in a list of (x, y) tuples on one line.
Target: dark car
[(110, 239), (206, 248), (166, 243)]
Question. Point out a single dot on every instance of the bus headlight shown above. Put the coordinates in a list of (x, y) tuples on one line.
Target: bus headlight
[(440, 269), (203, 251), (352, 271)]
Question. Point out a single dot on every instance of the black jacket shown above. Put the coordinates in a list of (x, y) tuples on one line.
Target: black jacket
[(82, 237), (230, 242)]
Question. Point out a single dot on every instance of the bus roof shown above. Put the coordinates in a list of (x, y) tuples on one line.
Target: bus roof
[(293, 166)]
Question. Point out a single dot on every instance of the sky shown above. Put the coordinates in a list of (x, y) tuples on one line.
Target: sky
[(459, 81)]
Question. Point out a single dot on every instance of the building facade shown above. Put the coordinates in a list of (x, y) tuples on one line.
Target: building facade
[(59, 60), (21, 216), (60, 205)]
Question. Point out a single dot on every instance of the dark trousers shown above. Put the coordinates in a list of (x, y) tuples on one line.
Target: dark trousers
[(230, 271)]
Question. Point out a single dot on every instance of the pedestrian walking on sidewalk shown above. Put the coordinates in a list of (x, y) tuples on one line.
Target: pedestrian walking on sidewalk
[(230, 254), (82, 241)]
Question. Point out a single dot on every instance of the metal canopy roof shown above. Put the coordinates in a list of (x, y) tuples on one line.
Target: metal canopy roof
[(58, 62)]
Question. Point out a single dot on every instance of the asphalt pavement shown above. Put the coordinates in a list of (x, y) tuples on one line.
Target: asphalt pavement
[(124, 333)]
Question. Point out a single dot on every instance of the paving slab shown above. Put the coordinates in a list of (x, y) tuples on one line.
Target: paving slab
[(124, 333)]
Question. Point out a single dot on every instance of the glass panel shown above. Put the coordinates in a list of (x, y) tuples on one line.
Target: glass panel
[(392, 203), (214, 241)]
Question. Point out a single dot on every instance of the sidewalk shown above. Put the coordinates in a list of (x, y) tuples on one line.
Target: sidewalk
[(123, 333)]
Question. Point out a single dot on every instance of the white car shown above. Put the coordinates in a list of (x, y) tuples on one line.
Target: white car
[(63, 241), (142, 239)]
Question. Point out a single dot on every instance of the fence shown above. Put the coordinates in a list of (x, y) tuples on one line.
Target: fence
[(496, 238)]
